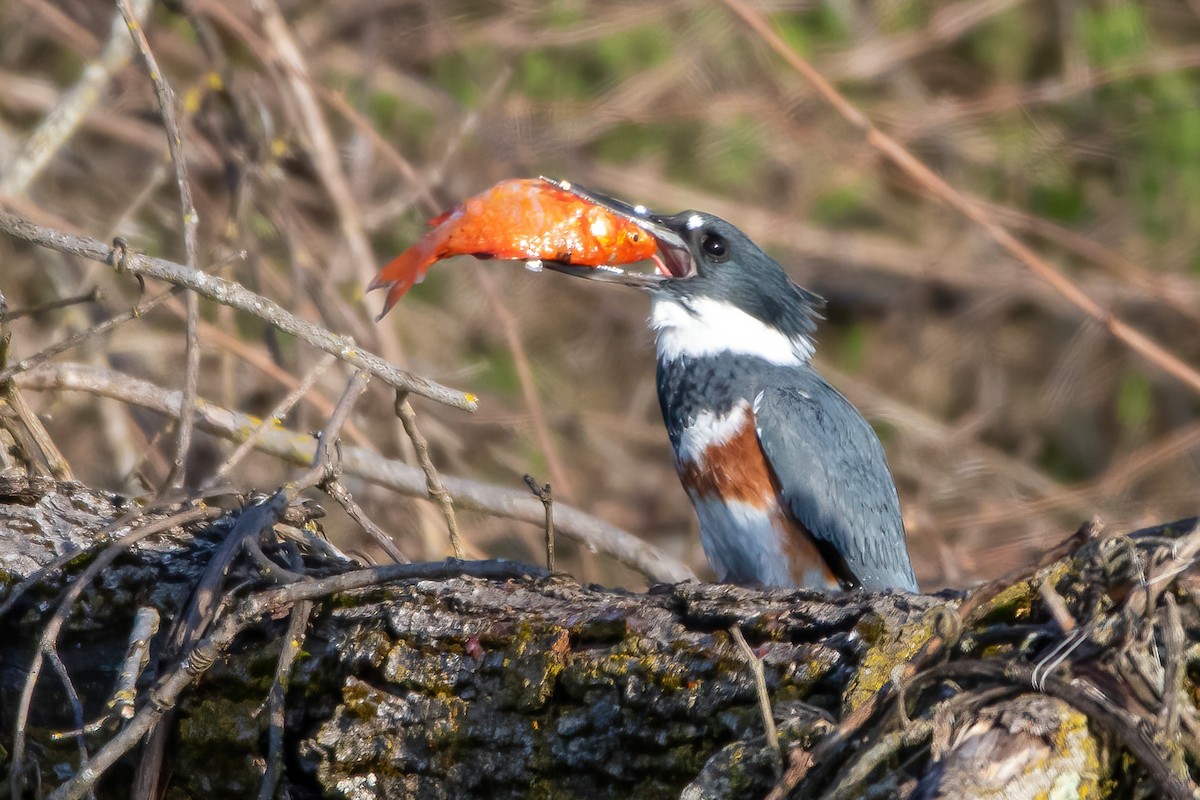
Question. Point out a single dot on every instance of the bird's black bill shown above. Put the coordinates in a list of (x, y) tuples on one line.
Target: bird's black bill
[(676, 256)]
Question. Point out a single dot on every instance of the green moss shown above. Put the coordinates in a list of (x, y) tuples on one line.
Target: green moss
[(220, 738)]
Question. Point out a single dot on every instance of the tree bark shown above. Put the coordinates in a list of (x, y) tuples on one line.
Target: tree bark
[(490, 679)]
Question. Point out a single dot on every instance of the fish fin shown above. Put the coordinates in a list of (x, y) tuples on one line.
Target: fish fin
[(402, 273)]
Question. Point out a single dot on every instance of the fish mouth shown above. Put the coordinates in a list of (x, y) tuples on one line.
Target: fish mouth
[(674, 258)]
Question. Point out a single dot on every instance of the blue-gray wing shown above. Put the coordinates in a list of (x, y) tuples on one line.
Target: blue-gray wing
[(835, 482)]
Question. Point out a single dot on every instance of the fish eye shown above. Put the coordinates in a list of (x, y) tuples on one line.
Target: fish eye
[(633, 236), (715, 247)]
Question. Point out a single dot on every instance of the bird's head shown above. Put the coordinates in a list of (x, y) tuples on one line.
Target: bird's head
[(716, 290)]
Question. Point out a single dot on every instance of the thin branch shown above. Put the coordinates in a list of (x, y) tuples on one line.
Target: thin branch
[(433, 482), (760, 687), (145, 625), (57, 126), (276, 417), (593, 533), (544, 494), (338, 491), (94, 296), (323, 465), (25, 364), (234, 295), (49, 637), (293, 639), (76, 705), (166, 106), (939, 188)]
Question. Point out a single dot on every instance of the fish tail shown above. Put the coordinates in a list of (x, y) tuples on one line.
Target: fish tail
[(403, 272)]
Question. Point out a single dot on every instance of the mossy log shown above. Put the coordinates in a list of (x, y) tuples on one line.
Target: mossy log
[(496, 680)]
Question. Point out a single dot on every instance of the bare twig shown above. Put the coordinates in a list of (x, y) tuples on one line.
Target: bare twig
[(38, 441), (1056, 606), (544, 494), (938, 187), (76, 705), (338, 491), (760, 687), (235, 295), (79, 338), (1174, 642), (276, 417), (433, 481), (145, 625), (398, 476), (324, 149), (323, 466), (94, 296), (166, 106), (293, 639), (57, 126)]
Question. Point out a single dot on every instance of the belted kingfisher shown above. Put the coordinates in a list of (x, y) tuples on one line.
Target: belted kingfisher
[(790, 483)]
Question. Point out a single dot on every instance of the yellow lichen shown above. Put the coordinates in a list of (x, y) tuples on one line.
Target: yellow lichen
[(887, 650)]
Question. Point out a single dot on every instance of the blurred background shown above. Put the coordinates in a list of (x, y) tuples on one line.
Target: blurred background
[(320, 136)]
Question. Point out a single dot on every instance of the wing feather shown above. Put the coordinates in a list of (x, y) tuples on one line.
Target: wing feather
[(834, 481)]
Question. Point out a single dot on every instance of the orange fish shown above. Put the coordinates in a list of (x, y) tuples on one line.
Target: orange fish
[(527, 219)]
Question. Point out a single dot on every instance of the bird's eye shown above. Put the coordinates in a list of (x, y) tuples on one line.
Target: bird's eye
[(715, 247)]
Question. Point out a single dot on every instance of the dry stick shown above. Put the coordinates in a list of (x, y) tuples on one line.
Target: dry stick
[(324, 148), (337, 490), (293, 639), (145, 625), (57, 126), (323, 466), (26, 364), (76, 706), (234, 295), (262, 604), (34, 439), (764, 699), (162, 698), (39, 438), (259, 518), (886, 749), (433, 482), (935, 185), (94, 296), (49, 637), (591, 532), (166, 106), (543, 493), (276, 417)]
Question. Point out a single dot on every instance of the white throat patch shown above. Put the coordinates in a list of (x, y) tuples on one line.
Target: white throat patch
[(700, 326)]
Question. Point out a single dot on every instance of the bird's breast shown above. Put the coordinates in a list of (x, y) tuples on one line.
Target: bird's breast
[(746, 532)]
